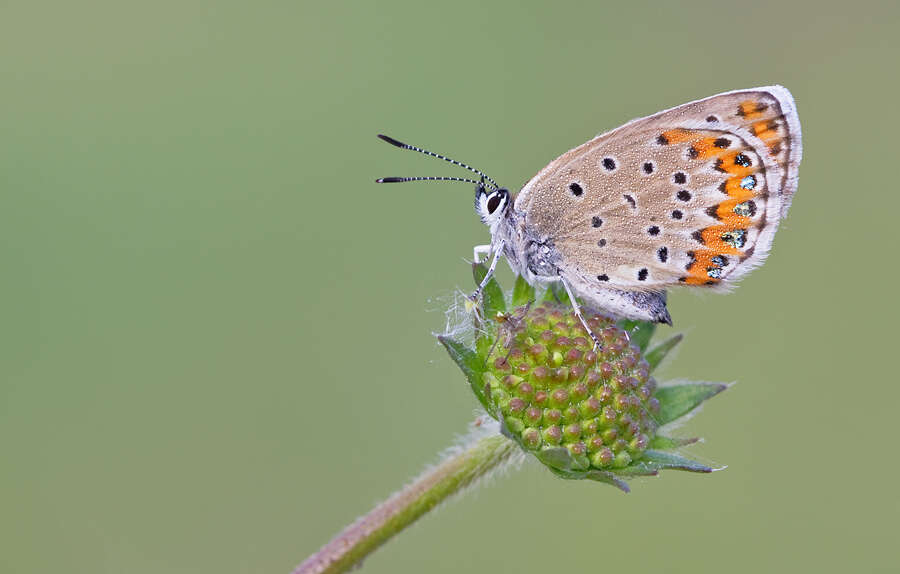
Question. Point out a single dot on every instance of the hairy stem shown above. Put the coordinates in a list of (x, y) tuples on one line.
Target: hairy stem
[(459, 469)]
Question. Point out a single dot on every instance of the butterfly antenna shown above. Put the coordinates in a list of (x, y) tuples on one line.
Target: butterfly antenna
[(438, 178), (402, 145)]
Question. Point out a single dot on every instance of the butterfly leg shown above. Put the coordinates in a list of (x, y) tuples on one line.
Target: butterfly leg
[(478, 251), (577, 309), (498, 252)]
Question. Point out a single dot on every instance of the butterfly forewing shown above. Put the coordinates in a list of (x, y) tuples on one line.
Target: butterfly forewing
[(689, 196)]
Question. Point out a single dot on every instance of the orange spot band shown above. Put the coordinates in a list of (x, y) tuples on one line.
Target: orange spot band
[(706, 148), (751, 110), (678, 135), (698, 272), (712, 239), (734, 190), (765, 130), (726, 215), (728, 162)]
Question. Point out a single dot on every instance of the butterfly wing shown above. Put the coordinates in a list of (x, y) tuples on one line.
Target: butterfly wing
[(690, 196)]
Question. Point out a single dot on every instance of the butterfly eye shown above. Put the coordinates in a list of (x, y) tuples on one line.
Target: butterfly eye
[(494, 202)]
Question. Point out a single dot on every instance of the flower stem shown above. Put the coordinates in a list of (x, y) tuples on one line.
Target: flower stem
[(458, 470)]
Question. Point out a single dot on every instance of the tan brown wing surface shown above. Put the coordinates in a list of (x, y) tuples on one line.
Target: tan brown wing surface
[(692, 195)]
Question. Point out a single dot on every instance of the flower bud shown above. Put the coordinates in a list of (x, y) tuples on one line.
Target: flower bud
[(584, 412)]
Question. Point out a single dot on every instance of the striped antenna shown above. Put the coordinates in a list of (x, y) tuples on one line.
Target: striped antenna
[(427, 178), (402, 145)]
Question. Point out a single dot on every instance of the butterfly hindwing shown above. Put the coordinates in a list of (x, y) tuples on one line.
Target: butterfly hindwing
[(690, 196)]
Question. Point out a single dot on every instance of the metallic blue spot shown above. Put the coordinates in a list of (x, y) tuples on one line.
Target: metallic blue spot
[(745, 209), (748, 182), (736, 238)]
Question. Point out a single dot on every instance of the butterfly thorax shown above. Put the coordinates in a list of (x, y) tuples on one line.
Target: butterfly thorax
[(529, 254)]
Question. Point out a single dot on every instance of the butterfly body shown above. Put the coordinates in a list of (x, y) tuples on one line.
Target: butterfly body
[(535, 256), (690, 196)]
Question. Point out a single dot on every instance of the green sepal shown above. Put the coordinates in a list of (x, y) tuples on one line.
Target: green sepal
[(523, 293), (640, 332), (492, 294), (608, 478), (639, 468), (653, 461), (472, 367), (603, 476), (656, 355), (556, 293), (675, 401), (660, 442), (559, 458), (668, 460)]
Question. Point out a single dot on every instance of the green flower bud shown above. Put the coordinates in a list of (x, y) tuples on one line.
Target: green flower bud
[(563, 379), (584, 412)]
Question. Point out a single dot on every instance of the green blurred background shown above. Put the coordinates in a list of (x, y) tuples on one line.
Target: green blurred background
[(215, 348)]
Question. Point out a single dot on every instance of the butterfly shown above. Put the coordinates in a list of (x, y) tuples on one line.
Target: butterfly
[(690, 196)]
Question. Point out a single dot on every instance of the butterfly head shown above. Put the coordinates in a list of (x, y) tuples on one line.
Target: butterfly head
[(491, 204)]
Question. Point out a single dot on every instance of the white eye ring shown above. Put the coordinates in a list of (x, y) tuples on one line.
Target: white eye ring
[(492, 205)]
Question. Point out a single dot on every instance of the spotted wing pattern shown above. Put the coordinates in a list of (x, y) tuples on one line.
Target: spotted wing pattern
[(690, 196)]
